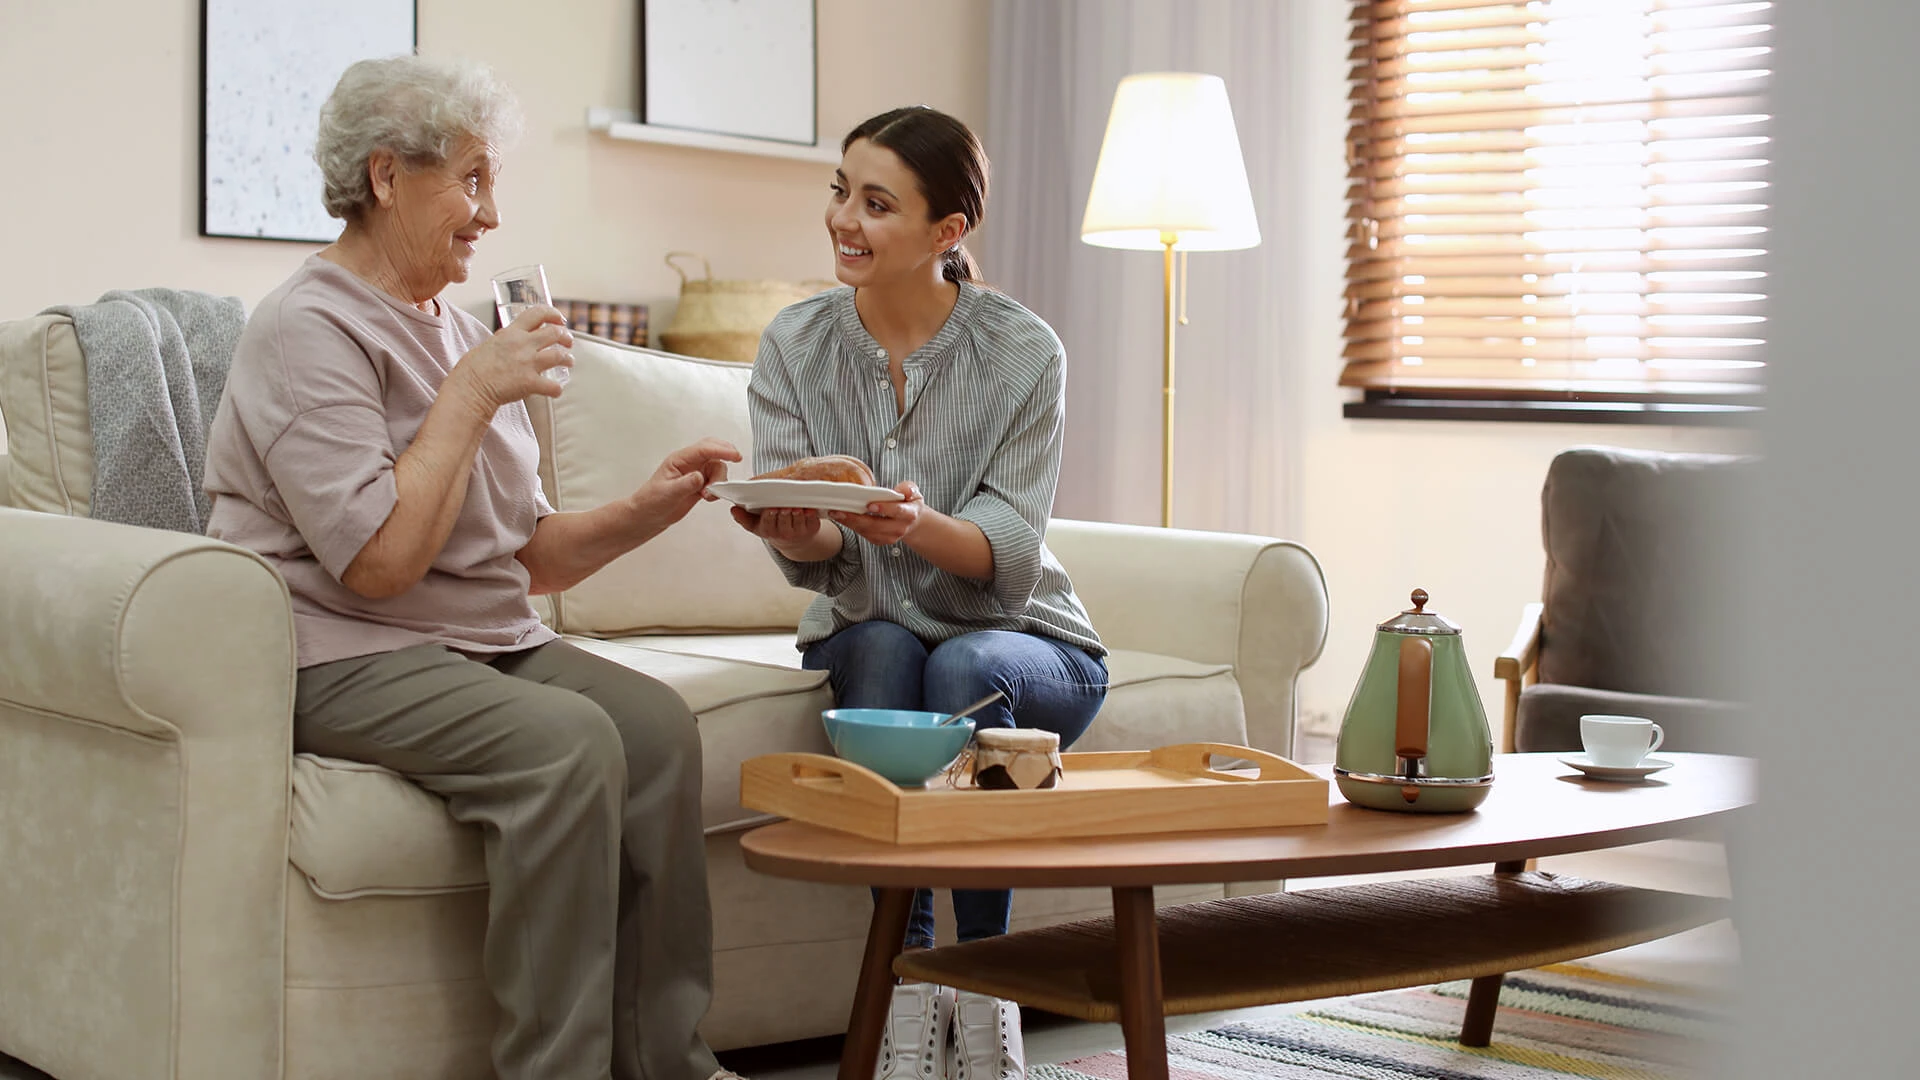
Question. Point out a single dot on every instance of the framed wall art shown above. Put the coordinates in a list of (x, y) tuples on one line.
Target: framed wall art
[(730, 67), (265, 68)]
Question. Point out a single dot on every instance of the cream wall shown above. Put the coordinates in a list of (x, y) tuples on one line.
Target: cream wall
[(100, 182), (1453, 508)]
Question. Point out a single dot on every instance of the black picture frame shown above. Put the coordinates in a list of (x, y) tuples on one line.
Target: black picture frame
[(299, 82)]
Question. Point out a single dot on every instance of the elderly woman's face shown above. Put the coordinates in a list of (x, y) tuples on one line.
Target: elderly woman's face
[(441, 211)]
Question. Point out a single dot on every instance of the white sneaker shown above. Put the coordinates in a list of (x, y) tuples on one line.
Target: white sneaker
[(913, 1044), (986, 1040)]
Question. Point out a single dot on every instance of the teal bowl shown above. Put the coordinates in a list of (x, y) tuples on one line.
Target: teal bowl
[(900, 744)]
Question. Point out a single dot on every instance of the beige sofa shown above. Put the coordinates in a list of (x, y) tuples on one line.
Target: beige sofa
[(181, 896)]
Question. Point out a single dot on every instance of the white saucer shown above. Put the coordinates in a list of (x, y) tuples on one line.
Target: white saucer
[(1620, 773), (757, 495)]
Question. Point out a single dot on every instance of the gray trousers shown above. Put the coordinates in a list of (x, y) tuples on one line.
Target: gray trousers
[(584, 777)]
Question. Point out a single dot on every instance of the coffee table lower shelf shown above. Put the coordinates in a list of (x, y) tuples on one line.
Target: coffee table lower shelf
[(1302, 946)]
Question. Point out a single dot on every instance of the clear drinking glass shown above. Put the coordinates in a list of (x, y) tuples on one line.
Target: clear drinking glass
[(518, 289)]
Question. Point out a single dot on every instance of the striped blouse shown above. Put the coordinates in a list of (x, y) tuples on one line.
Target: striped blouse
[(981, 436)]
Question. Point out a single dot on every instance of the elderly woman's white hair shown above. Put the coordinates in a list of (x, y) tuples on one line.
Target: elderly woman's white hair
[(415, 107)]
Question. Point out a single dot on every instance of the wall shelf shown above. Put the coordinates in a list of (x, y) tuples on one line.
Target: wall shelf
[(622, 124)]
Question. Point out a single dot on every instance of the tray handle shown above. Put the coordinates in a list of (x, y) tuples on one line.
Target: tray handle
[(855, 780), (1197, 758)]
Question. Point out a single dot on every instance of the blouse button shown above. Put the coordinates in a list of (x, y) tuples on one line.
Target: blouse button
[(895, 552), (891, 444), (880, 354)]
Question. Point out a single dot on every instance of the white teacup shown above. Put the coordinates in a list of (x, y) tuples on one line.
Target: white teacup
[(1619, 741)]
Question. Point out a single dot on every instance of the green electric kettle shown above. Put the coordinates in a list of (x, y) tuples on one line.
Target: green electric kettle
[(1415, 736)]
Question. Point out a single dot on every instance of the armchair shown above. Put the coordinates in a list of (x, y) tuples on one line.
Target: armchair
[(1643, 561)]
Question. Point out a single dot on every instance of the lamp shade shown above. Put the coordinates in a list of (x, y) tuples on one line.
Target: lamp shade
[(1170, 163)]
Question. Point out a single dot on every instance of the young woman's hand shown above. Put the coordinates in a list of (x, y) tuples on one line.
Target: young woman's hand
[(886, 523), (508, 366), (780, 527)]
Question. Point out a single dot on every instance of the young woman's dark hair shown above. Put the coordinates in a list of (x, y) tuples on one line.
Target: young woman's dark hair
[(949, 162)]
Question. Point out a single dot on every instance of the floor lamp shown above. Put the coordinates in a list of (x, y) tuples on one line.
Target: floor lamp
[(1170, 178)]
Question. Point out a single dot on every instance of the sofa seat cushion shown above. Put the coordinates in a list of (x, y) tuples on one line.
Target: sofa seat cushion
[(745, 708), (1157, 700), (361, 830), (1152, 699)]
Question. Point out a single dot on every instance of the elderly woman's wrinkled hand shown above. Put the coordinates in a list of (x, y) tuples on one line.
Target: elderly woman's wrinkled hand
[(681, 481), (508, 366)]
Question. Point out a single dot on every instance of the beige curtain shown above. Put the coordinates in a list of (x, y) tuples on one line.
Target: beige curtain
[(1054, 69)]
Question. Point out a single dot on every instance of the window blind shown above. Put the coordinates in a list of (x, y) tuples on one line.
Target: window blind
[(1563, 198)]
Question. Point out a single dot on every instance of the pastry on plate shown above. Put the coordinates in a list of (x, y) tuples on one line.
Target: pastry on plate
[(834, 468)]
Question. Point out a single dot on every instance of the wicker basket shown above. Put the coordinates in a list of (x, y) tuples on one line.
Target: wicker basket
[(722, 320)]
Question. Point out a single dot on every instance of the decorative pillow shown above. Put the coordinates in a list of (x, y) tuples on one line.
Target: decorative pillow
[(43, 393), (623, 411)]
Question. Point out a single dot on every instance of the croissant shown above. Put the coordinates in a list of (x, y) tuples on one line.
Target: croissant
[(838, 468)]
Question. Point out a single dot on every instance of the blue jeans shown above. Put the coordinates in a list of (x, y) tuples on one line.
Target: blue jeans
[(1048, 684)]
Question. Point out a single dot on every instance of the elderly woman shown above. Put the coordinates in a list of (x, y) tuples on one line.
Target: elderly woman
[(374, 445)]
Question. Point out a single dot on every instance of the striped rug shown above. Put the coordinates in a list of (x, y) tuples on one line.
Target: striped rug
[(1563, 1020)]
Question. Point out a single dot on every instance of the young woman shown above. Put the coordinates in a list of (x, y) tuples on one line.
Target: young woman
[(953, 394)]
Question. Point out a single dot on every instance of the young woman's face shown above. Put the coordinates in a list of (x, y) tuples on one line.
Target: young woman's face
[(879, 223)]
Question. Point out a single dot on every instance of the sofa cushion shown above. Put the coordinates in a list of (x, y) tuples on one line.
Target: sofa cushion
[(746, 708), (1154, 700), (1149, 695), (361, 830), (43, 394), (623, 411)]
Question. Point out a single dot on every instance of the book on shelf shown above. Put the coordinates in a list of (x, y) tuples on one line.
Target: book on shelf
[(622, 323)]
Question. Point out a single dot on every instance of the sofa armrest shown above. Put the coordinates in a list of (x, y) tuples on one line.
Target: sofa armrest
[(1254, 602), (146, 687)]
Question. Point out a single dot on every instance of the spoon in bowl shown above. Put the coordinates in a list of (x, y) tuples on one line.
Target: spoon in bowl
[(973, 708)]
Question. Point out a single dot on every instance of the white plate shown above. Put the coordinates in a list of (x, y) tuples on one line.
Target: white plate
[(757, 495), (1624, 773)]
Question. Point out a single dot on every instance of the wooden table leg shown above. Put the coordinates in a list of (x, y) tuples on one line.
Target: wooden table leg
[(1142, 1011), (886, 935), (1483, 998)]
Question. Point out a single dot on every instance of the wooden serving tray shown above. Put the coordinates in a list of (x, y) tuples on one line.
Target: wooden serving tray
[(1121, 793)]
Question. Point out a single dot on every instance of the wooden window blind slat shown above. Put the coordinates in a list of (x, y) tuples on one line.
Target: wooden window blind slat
[(1558, 194)]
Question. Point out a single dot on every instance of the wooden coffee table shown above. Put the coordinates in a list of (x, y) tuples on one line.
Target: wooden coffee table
[(1141, 966)]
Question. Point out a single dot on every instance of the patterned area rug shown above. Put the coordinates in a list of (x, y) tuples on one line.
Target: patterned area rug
[(1563, 1020)]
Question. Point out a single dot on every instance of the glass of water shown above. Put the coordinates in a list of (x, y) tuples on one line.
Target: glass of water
[(518, 289)]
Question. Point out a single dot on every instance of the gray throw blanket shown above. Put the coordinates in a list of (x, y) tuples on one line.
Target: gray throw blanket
[(157, 361)]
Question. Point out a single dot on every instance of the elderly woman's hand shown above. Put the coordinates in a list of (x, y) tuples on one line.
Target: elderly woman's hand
[(508, 366), (681, 481)]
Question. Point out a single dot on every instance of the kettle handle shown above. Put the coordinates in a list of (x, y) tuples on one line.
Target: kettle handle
[(1413, 706)]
